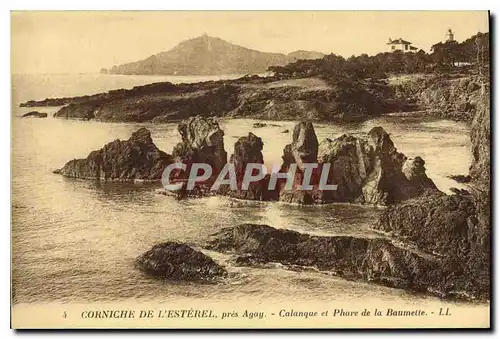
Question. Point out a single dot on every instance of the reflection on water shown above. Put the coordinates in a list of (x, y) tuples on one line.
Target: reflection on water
[(76, 240)]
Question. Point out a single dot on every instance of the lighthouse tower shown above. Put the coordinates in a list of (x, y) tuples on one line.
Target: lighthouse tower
[(450, 36)]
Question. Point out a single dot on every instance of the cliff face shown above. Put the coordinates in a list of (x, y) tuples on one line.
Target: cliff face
[(479, 259), (207, 55)]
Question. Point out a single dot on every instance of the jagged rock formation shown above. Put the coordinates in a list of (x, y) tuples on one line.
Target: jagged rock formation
[(375, 260), (179, 262), (202, 142), (366, 169), (137, 158), (303, 150), (248, 150), (35, 114)]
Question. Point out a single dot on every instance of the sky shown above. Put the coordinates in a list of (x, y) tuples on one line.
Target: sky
[(80, 42)]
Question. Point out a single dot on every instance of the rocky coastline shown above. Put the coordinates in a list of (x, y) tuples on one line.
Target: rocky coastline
[(274, 98), (376, 260), (457, 227), (252, 96), (433, 243)]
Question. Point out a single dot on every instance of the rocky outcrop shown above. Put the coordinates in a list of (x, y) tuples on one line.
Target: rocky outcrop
[(35, 114), (438, 224), (460, 178), (248, 150), (480, 170), (445, 226), (262, 124), (137, 158), (443, 96), (179, 262), (456, 227), (202, 142), (366, 169), (259, 125), (303, 150), (374, 260)]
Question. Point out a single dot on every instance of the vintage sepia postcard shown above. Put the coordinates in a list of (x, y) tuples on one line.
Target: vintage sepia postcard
[(250, 169)]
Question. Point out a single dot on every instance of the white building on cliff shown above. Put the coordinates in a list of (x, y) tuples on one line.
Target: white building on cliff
[(401, 45)]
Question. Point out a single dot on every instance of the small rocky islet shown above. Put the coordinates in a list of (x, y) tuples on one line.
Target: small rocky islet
[(34, 114), (135, 159), (179, 262)]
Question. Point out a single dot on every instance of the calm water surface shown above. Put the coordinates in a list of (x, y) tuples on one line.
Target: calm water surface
[(76, 241)]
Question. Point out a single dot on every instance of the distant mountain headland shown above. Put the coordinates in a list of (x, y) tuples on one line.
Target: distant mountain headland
[(207, 55)]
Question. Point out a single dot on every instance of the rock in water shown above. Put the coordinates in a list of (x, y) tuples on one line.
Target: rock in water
[(366, 169), (179, 262), (304, 146), (351, 161), (460, 178), (202, 142), (137, 158), (369, 169), (259, 125), (34, 114), (248, 150), (303, 150)]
